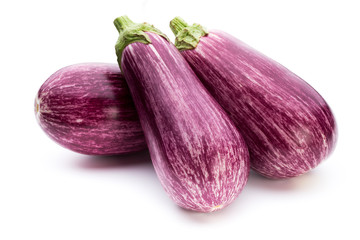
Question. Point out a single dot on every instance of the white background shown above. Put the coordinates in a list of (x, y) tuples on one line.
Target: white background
[(48, 192)]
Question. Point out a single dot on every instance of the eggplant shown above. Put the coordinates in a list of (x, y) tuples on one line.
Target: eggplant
[(287, 125), (87, 108), (199, 156)]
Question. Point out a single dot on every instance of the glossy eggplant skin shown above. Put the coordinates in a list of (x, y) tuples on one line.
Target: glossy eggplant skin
[(87, 108), (287, 125), (199, 156)]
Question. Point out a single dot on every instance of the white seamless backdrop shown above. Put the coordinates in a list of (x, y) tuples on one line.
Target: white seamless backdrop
[(48, 192)]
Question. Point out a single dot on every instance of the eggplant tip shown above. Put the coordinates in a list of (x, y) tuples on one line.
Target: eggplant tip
[(37, 107), (218, 207)]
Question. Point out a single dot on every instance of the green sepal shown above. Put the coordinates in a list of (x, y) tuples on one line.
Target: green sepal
[(130, 32), (187, 37)]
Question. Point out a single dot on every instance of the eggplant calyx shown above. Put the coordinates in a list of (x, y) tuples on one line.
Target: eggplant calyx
[(187, 37), (130, 32)]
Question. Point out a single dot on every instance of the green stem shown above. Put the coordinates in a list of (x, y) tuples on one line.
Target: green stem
[(130, 32), (123, 22), (178, 24), (187, 37)]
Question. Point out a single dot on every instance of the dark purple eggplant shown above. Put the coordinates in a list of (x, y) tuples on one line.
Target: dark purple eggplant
[(199, 156), (87, 108), (287, 125)]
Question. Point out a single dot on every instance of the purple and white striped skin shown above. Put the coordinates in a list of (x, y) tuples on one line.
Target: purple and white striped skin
[(199, 156), (87, 108), (287, 125)]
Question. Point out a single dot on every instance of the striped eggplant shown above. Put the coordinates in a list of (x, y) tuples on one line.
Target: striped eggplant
[(287, 125), (199, 156), (88, 109)]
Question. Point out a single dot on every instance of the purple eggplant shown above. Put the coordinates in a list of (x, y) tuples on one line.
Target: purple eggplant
[(198, 154), (88, 109), (287, 125)]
